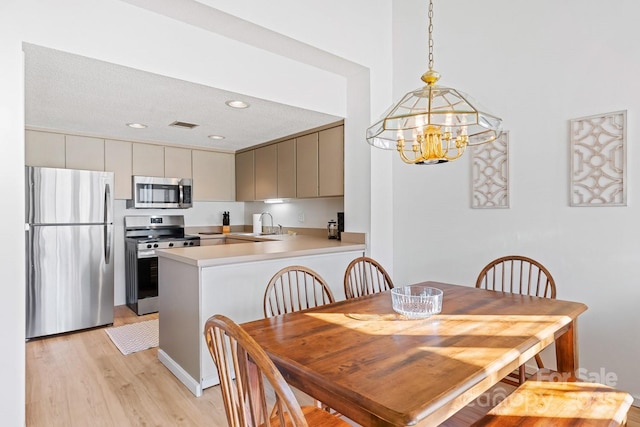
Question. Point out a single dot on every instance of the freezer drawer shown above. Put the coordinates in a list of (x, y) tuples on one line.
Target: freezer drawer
[(69, 278)]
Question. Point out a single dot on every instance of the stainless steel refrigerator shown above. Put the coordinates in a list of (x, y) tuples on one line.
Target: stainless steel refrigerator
[(69, 233)]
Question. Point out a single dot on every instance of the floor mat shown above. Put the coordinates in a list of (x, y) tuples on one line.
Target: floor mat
[(135, 336)]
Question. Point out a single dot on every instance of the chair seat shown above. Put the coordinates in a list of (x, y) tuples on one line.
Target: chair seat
[(315, 417), (548, 400)]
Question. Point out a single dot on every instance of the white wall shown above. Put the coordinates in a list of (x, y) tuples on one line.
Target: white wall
[(537, 65), (12, 307)]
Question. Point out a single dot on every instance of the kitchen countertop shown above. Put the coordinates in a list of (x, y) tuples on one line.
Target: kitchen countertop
[(267, 247)]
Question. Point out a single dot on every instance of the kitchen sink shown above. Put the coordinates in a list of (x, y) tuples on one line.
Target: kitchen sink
[(254, 234)]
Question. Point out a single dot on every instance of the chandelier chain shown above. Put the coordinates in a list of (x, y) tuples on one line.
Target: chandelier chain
[(431, 34)]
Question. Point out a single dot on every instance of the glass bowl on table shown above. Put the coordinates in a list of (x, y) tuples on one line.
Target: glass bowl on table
[(417, 301)]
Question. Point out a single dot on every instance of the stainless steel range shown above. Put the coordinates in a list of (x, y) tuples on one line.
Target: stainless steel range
[(143, 235)]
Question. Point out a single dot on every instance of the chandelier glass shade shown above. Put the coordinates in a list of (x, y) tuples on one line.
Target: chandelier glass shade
[(433, 124)]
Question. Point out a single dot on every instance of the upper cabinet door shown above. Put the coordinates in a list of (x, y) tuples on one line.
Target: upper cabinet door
[(177, 162), (331, 162), (307, 166), (245, 184), (148, 160), (83, 152), (117, 159), (213, 176), (266, 172), (287, 169), (45, 149)]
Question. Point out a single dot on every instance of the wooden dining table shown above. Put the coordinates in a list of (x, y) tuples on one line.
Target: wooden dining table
[(378, 368)]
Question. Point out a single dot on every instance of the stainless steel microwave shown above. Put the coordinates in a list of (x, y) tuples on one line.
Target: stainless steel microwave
[(151, 192)]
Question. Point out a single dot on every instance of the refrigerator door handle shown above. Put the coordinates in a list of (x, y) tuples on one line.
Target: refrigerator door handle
[(30, 258), (107, 221), (107, 243), (107, 203)]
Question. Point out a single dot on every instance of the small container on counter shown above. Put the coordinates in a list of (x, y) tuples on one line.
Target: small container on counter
[(332, 229)]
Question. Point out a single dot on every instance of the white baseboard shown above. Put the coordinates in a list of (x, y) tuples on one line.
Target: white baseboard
[(210, 382), (194, 386)]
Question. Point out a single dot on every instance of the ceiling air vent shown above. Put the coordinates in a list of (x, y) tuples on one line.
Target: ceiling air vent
[(183, 125)]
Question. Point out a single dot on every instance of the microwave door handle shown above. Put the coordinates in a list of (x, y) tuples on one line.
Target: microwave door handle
[(181, 195)]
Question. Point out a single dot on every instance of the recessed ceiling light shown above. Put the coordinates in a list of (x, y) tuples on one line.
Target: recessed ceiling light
[(136, 125), (237, 104), (215, 137)]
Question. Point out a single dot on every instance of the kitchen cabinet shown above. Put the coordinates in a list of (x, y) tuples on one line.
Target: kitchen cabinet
[(148, 160), (83, 152), (331, 162), (266, 172), (307, 166), (245, 183), (46, 149), (286, 169), (118, 159), (213, 176), (177, 162), (213, 173)]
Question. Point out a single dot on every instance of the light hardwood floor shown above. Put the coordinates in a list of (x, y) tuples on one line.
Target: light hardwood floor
[(82, 379)]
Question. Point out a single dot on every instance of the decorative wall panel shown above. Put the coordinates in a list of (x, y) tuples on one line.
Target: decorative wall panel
[(598, 160), (490, 174)]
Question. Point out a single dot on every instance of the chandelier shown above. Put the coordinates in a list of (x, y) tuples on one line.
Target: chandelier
[(433, 124)]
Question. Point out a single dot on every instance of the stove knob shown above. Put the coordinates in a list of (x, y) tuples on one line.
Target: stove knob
[(185, 243), (170, 245), (155, 245), (149, 246), (190, 243)]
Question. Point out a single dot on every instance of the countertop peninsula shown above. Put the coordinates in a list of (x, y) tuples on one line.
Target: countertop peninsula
[(260, 248), (199, 281)]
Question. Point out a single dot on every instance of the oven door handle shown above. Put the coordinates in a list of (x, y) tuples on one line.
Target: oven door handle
[(146, 254)]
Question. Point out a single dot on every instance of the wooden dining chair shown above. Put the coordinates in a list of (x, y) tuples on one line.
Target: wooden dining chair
[(365, 276), (295, 288), (519, 275), (236, 354)]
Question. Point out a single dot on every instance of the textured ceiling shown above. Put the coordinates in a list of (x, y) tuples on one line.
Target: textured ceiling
[(72, 93)]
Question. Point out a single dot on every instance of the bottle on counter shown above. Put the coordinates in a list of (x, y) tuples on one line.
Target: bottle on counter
[(226, 221)]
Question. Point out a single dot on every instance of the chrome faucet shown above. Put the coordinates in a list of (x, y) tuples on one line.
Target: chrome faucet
[(270, 229)]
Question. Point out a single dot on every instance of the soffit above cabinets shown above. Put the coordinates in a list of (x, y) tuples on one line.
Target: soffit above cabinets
[(75, 94)]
